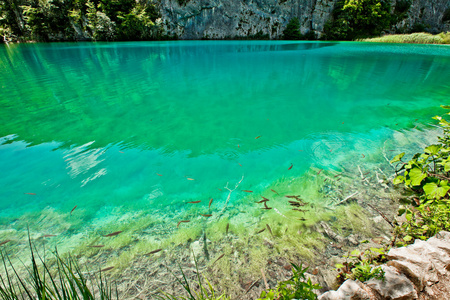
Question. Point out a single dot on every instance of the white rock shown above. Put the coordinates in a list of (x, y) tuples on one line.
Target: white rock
[(395, 286), (349, 290)]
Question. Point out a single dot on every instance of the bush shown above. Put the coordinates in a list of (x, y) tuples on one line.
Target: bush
[(426, 176)]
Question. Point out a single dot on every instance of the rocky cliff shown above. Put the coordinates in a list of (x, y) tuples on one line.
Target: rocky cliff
[(219, 19)]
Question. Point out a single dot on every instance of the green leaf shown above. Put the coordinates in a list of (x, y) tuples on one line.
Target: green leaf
[(355, 252), (399, 179), (433, 149), (432, 190), (416, 175), (407, 238), (445, 106), (397, 158), (447, 166)]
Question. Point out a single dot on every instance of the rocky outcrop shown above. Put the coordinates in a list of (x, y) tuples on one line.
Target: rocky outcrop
[(219, 19), (419, 271)]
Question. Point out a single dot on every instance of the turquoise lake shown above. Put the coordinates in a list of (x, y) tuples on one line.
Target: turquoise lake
[(152, 125)]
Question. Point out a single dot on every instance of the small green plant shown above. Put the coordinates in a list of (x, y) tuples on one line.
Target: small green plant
[(361, 265), (426, 176), (63, 283), (297, 287)]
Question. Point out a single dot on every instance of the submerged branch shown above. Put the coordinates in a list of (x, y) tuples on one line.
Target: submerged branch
[(229, 196)]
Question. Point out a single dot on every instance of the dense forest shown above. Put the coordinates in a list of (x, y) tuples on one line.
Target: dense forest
[(121, 20), (59, 20)]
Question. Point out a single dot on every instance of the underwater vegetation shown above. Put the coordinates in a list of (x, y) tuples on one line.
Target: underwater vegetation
[(310, 221)]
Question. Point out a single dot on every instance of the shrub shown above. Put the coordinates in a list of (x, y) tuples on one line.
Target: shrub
[(292, 30)]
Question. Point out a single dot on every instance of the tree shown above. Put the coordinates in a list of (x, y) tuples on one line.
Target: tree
[(292, 30), (354, 19)]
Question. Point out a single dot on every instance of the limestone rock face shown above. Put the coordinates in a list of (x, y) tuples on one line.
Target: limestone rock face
[(219, 19)]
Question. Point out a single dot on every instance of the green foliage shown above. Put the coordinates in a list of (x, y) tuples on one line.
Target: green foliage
[(102, 20), (354, 19), (297, 287), (426, 175), (65, 282), (292, 30), (361, 265)]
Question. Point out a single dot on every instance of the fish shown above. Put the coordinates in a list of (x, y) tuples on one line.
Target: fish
[(223, 254), (73, 209), (158, 174), (190, 178), (193, 202), (298, 209), (291, 166), (363, 155), (120, 151), (226, 228), (247, 191), (262, 230), (48, 235), (210, 202), (301, 219), (219, 189), (262, 201), (275, 192), (264, 198), (112, 234), (97, 246), (239, 146), (366, 173), (338, 175), (325, 179), (257, 137), (320, 171), (4, 242), (270, 230), (265, 206), (33, 194), (154, 251), (239, 164), (106, 269), (183, 221), (206, 216)]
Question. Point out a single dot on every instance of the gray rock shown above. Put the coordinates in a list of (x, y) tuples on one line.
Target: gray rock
[(414, 265), (349, 290), (395, 286), (433, 251), (219, 19)]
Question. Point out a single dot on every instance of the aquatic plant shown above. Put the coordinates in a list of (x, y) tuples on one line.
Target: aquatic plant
[(426, 178), (58, 280), (297, 287)]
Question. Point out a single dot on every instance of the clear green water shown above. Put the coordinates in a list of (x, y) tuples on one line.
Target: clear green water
[(93, 124)]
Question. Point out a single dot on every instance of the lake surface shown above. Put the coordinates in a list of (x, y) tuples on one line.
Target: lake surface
[(116, 128)]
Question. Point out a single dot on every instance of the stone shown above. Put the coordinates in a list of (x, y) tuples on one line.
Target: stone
[(395, 285), (349, 290), (414, 265), (433, 252)]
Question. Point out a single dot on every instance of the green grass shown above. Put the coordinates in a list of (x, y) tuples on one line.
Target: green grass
[(58, 279), (413, 38)]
